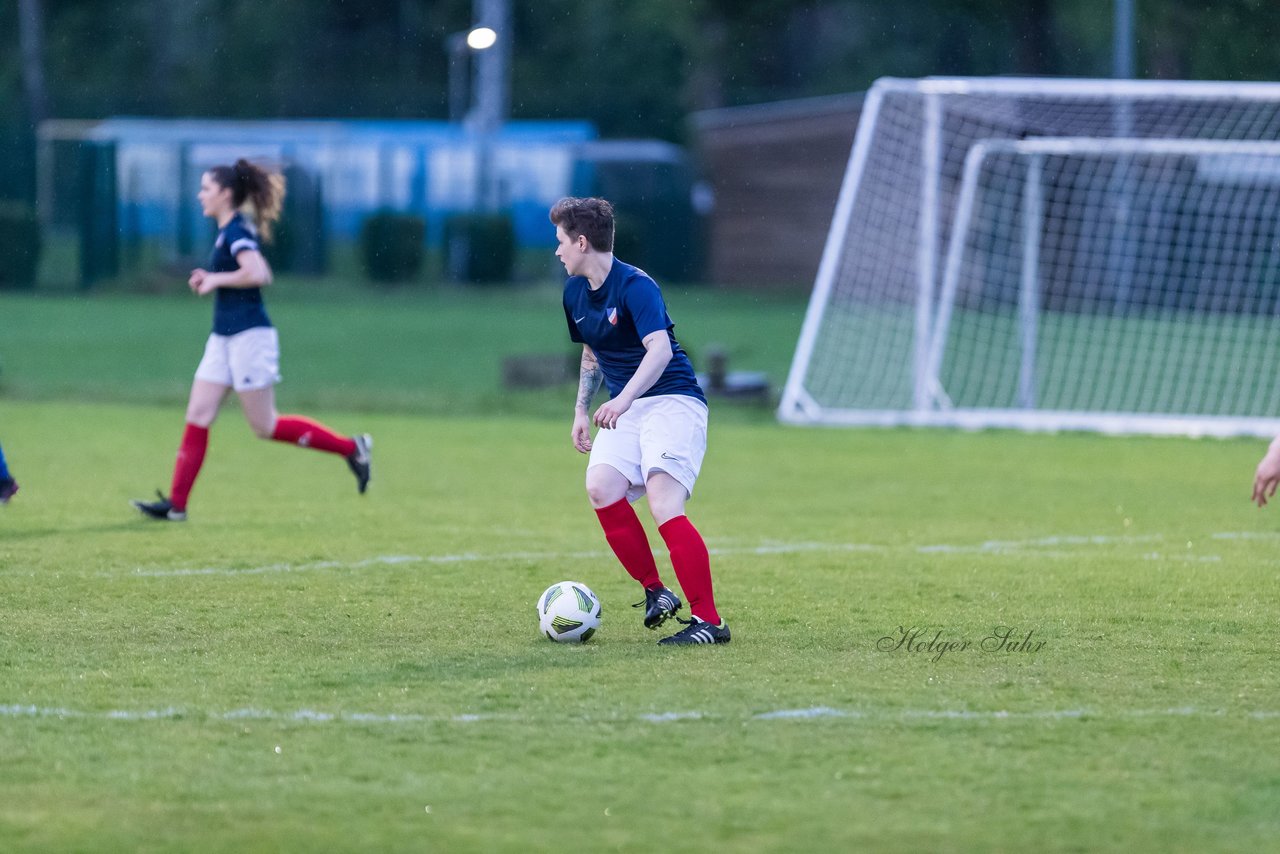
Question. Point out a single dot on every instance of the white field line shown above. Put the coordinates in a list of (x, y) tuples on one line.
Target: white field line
[(312, 716), (1003, 546), (477, 557), (1182, 558), (1057, 546), (1246, 535)]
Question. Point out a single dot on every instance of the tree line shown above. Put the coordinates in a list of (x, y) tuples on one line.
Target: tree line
[(634, 68)]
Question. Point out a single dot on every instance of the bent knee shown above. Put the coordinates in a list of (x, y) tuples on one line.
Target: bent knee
[(604, 495), (665, 508), (605, 486), (263, 429)]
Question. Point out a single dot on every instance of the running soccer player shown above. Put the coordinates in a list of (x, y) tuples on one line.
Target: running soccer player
[(653, 429), (242, 353), (8, 486)]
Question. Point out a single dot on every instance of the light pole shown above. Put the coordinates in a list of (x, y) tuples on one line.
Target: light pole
[(477, 110), (459, 46), (1122, 61), (493, 93), (483, 113)]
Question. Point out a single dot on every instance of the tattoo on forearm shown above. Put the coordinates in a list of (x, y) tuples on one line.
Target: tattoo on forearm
[(589, 379)]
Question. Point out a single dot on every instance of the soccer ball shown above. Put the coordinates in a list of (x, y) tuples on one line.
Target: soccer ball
[(568, 612)]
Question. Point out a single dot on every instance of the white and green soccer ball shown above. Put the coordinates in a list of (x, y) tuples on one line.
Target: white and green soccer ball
[(568, 612)]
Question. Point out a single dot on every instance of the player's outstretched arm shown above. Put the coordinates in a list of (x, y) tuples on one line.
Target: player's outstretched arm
[(1267, 476)]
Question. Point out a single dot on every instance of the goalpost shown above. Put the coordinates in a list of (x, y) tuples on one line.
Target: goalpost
[(1052, 254)]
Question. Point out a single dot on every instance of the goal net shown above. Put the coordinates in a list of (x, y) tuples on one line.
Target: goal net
[(1050, 254)]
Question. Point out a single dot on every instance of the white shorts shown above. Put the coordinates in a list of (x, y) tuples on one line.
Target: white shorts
[(245, 361), (666, 432)]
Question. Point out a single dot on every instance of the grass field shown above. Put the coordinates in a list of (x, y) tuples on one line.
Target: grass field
[(429, 351), (1188, 362), (299, 668)]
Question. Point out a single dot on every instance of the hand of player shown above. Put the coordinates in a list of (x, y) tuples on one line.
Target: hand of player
[(608, 414), (581, 434), (196, 279), (1267, 477)]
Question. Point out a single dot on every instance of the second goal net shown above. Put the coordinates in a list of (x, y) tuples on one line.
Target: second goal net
[(1052, 255)]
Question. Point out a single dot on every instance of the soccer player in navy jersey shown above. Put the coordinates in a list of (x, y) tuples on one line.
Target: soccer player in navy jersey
[(243, 351), (8, 486), (653, 428)]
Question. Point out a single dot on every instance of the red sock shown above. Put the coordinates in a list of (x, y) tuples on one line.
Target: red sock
[(190, 457), (306, 433), (692, 564), (629, 542)]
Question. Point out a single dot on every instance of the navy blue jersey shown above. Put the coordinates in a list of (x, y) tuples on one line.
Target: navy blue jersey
[(614, 320), (235, 309)]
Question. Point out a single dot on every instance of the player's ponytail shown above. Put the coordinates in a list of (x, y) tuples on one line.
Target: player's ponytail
[(251, 183)]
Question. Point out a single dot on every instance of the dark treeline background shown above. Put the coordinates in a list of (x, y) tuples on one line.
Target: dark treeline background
[(635, 67)]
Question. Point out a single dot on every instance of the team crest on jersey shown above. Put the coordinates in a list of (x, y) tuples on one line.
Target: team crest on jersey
[(613, 316)]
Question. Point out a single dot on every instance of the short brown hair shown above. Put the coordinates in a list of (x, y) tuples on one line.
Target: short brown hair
[(591, 218)]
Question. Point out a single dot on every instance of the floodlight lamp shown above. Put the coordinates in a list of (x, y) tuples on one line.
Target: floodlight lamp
[(481, 38)]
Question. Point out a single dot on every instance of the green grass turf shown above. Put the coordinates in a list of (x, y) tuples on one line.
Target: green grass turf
[(149, 672), (437, 350), (300, 668), (1156, 362)]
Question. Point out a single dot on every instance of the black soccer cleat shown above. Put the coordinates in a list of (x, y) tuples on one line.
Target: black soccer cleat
[(162, 509), (659, 605), (361, 462), (698, 631), (8, 489)]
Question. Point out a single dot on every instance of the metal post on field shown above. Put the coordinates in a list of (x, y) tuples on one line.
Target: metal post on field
[(1123, 191), (927, 250), (1029, 296)]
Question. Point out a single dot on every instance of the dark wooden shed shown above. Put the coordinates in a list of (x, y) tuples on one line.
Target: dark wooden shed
[(775, 170)]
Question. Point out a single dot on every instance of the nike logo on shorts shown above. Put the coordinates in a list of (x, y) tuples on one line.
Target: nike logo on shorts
[(667, 456)]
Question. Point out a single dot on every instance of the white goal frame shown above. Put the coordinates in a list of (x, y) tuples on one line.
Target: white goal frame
[(937, 267)]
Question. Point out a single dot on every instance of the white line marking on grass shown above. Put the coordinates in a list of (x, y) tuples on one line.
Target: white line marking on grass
[(965, 715), (381, 560), (1037, 547), (794, 548), (475, 557), (1184, 558), (667, 717), (313, 716), (998, 715), (1004, 546), (1042, 547), (816, 712), (173, 713)]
